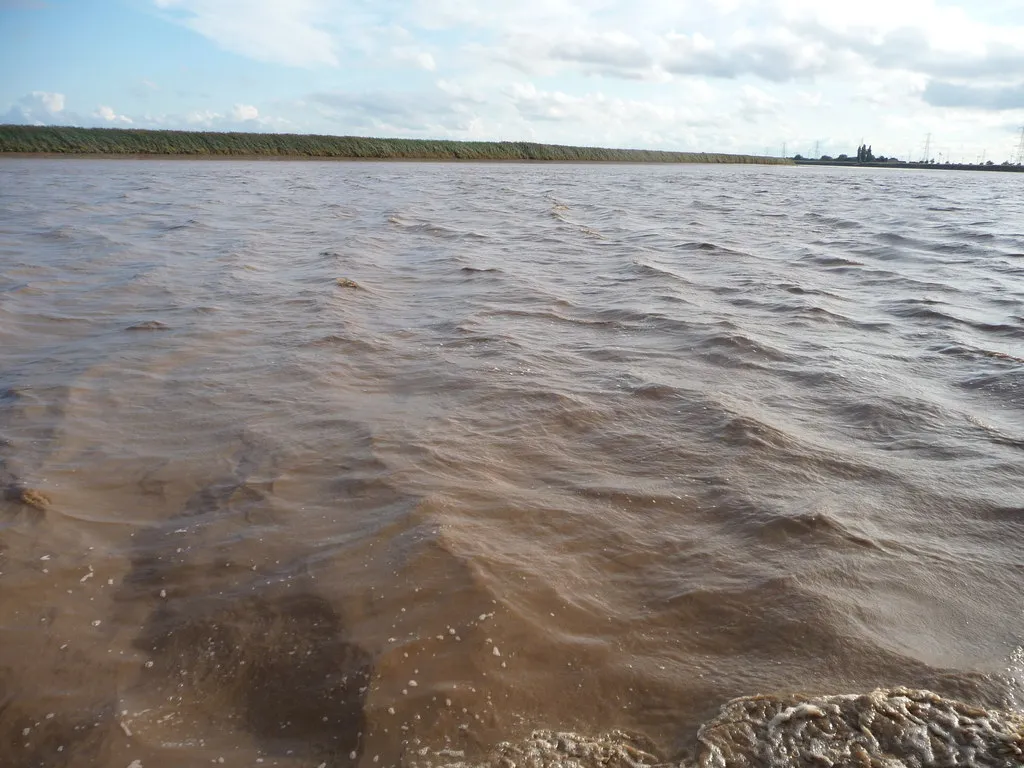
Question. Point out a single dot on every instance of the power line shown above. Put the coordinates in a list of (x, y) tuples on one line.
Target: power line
[(927, 148), (1020, 148)]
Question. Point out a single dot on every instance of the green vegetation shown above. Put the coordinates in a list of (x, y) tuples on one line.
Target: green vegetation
[(119, 141)]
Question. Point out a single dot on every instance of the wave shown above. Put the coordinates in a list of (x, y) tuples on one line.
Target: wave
[(647, 269), (435, 230), (708, 247), (736, 348), (833, 222), (967, 352), (829, 260)]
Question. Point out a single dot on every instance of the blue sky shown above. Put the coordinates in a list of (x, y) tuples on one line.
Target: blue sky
[(714, 75)]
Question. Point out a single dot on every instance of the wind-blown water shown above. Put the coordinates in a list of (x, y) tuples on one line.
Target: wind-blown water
[(567, 447)]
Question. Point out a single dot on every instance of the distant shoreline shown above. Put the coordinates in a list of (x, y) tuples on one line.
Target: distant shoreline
[(51, 142), (913, 166), (60, 141)]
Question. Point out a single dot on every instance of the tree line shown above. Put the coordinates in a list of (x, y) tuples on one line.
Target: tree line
[(866, 155)]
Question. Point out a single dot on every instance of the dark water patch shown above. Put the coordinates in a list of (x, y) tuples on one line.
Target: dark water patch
[(1012, 330), (738, 346), (803, 290), (187, 224), (149, 325), (255, 650), (921, 309), (435, 230), (818, 528), (609, 354), (747, 432), (974, 354), (901, 240), (351, 344), (702, 205), (707, 247), (37, 730), (945, 315), (832, 222), (554, 317), (821, 314), (830, 260), (657, 391), (895, 416), (1008, 385), (812, 377), (58, 234), (278, 667), (1006, 514), (645, 269)]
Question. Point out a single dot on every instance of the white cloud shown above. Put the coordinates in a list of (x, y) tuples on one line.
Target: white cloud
[(206, 118), (945, 94), (110, 116), (291, 32), (240, 117), (611, 118), (53, 102), (36, 108), (777, 41), (442, 111), (654, 40), (606, 49), (756, 103), (244, 112), (415, 56), (43, 108)]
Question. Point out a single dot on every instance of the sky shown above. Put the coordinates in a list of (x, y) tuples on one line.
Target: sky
[(752, 76)]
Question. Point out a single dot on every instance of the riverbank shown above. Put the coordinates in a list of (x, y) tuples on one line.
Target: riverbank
[(923, 166), (344, 159), (52, 141)]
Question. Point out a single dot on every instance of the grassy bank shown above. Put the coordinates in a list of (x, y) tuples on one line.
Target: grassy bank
[(28, 139)]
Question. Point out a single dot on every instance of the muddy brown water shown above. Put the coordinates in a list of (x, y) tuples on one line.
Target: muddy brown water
[(326, 463)]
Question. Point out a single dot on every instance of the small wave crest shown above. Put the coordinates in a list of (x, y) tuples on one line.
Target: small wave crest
[(435, 230)]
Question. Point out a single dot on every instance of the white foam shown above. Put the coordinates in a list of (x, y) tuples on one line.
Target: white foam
[(895, 728)]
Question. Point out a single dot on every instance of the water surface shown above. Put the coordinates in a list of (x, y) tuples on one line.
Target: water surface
[(581, 447)]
